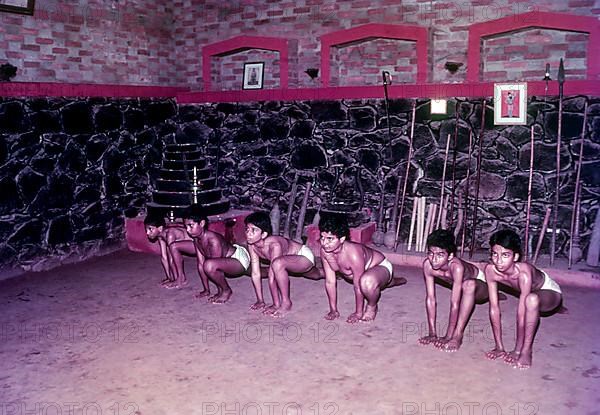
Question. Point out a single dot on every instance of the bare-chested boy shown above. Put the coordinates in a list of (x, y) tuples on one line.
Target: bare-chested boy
[(468, 286), (285, 256), (369, 271), (537, 293), (158, 231), (216, 257)]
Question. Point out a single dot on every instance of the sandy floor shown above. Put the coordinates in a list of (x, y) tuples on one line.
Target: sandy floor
[(102, 337)]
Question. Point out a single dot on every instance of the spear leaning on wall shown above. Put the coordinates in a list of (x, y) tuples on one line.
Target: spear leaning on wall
[(561, 82)]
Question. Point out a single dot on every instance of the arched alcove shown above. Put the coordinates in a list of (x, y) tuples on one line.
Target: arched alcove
[(241, 44), (540, 20), (367, 32)]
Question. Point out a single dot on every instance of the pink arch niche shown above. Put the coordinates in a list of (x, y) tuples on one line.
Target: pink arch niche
[(373, 31), (241, 43), (545, 20)]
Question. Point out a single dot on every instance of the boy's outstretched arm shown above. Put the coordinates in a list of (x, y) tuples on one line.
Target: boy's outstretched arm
[(256, 282), (274, 252), (166, 260), (331, 290), (203, 277), (358, 269), (430, 306), (458, 271), (495, 316), (525, 289)]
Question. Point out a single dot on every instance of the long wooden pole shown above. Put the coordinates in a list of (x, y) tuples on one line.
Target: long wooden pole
[(410, 152), (529, 189), (574, 242), (480, 141), (439, 219), (542, 233), (465, 220), (412, 222), (454, 145), (561, 82), (302, 214), (291, 201)]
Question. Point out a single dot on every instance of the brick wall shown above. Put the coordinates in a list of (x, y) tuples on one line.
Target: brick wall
[(95, 41), (520, 56), (160, 43), (362, 63)]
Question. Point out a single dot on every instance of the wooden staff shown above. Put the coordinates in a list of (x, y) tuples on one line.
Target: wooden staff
[(378, 234), (443, 182), (459, 216), (454, 145), (542, 233), (480, 140), (431, 226), (444, 213), (389, 240), (561, 82), (410, 151), (302, 214), (413, 217), (466, 199), (420, 223), (425, 230), (288, 218), (574, 242), (528, 216)]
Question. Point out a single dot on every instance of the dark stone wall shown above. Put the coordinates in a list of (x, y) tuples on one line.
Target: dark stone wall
[(264, 144), (70, 170)]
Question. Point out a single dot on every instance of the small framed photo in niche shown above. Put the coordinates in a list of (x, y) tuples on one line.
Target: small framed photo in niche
[(253, 75), (510, 104), (17, 6)]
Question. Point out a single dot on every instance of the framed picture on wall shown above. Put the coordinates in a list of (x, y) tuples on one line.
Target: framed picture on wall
[(17, 6), (510, 104), (253, 75)]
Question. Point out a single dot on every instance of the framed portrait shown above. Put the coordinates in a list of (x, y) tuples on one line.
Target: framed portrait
[(510, 104), (253, 75), (17, 6)]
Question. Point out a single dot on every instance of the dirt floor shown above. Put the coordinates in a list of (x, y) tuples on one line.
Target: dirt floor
[(102, 337)]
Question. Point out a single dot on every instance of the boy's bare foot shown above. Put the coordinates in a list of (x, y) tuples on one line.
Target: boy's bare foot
[(165, 282), (370, 313), (495, 354), (427, 340), (278, 313), (285, 306), (353, 318), (440, 342), (203, 293), (221, 298), (257, 305), (170, 285), (524, 361), (181, 284), (452, 345), (332, 315), (270, 309), (512, 357)]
